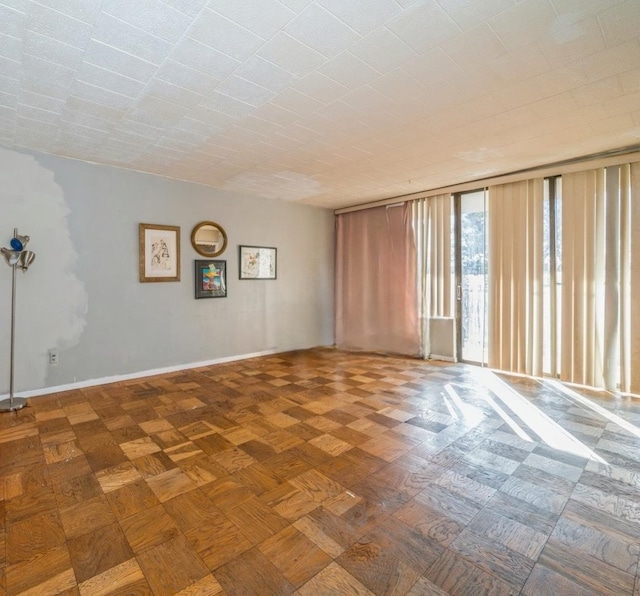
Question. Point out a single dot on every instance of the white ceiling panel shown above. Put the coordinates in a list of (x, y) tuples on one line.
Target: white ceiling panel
[(152, 16), (44, 102), (265, 73), (321, 87), (204, 58), (290, 54), (11, 47), (630, 81), (320, 30), (349, 70), (34, 44), (433, 67), (423, 26), (110, 80), (383, 50), (524, 23), (58, 26), (84, 10), (571, 11), (475, 47), (189, 7), (10, 68), (176, 94), (617, 60), (184, 76), (276, 115), (296, 5), (245, 91), (13, 21), (165, 113), (46, 78), (110, 58), (524, 65), (362, 16), (470, 13), (101, 96), (9, 86), (620, 23), (263, 17), (297, 102), (567, 42), (224, 35), (119, 34), (328, 102)]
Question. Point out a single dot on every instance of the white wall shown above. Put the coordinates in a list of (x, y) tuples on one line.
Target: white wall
[(82, 294)]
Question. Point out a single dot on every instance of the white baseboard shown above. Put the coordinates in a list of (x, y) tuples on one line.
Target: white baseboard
[(443, 358), (137, 375)]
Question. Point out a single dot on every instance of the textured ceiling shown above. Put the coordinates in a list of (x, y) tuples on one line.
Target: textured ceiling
[(328, 102)]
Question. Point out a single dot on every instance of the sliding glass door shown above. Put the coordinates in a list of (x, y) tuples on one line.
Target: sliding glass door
[(471, 275)]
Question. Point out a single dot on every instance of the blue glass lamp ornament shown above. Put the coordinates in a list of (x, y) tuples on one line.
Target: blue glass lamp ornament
[(19, 242)]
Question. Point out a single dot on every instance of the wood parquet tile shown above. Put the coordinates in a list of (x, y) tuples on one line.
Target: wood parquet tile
[(318, 472)]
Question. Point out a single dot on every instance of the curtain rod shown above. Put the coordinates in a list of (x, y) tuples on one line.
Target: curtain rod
[(607, 158)]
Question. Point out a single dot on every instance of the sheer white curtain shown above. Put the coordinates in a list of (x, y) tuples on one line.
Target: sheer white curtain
[(376, 291), (515, 317), (432, 222), (583, 278)]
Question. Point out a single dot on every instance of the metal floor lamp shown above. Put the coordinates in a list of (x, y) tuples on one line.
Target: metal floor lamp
[(16, 256)]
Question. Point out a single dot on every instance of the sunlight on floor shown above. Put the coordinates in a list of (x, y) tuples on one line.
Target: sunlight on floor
[(510, 421), (538, 422), (447, 403), (470, 413), (583, 401)]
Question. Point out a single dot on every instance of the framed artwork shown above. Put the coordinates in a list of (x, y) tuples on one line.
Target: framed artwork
[(211, 279), (258, 262), (159, 253)]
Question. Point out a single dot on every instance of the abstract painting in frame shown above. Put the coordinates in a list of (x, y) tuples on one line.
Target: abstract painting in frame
[(210, 279), (258, 262), (159, 253)]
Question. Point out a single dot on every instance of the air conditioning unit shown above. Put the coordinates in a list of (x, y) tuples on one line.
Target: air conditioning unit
[(442, 338)]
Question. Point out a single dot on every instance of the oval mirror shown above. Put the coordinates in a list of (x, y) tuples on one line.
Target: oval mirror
[(209, 239)]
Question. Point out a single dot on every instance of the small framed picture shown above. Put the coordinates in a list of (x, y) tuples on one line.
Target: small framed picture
[(159, 258), (210, 279), (258, 262)]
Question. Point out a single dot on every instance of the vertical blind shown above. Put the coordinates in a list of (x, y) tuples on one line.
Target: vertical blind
[(583, 268), (394, 272), (515, 277), (632, 252), (601, 269)]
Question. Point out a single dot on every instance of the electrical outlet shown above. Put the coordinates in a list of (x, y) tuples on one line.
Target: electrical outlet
[(53, 357)]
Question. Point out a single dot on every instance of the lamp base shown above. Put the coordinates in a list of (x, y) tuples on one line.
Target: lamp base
[(10, 405)]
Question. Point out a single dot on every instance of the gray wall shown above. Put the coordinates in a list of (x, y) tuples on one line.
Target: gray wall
[(82, 294)]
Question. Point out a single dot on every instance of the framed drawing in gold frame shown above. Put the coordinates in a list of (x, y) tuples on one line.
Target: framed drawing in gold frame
[(159, 253)]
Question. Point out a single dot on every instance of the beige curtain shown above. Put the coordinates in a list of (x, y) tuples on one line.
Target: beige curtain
[(376, 286), (631, 333), (583, 277), (432, 221), (515, 307), (625, 276), (616, 287)]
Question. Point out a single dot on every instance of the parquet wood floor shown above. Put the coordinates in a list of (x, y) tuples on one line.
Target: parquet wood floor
[(322, 472)]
